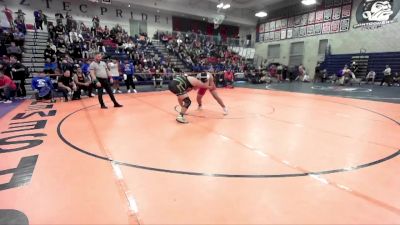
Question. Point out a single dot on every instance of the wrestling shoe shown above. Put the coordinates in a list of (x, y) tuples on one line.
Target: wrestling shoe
[(181, 119), (226, 112)]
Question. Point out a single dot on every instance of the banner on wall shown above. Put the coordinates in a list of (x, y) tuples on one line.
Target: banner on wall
[(327, 15), (284, 23), (344, 25), (291, 22), (333, 18), (374, 14), (289, 33), (318, 29), (311, 18), (326, 28), (310, 30), (319, 18), (335, 26), (336, 13), (283, 34)]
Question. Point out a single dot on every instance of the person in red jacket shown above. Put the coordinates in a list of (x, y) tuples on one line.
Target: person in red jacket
[(229, 78), (7, 87)]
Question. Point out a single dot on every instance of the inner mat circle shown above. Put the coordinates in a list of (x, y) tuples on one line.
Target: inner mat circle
[(290, 142)]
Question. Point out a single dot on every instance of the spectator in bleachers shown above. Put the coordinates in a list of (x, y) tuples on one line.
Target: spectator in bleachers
[(50, 54), (20, 26), (129, 73), (3, 49), (71, 23), (229, 78), (19, 73), (67, 63), (59, 17), (96, 22), (5, 61), (370, 77), (113, 66), (59, 31), (76, 51), (6, 37), (61, 50), (20, 15), (7, 18), (14, 50), (52, 30), (19, 38), (7, 88), (157, 78), (66, 85), (92, 50), (85, 66), (38, 14), (74, 37), (100, 47), (106, 32), (85, 50), (83, 83), (49, 67)]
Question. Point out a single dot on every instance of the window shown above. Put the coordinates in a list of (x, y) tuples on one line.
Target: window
[(296, 54), (323, 45), (274, 51)]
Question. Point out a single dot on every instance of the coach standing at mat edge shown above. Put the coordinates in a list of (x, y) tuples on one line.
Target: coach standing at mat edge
[(100, 76)]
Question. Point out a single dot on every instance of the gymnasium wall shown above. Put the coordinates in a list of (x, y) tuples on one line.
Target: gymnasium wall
[(109, 15), (369, 38)]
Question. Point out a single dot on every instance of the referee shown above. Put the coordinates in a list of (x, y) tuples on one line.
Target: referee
[(100, 75)]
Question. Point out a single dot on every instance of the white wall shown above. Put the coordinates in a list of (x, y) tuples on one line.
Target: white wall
[(85, 10), (244, 31), (384, 39)]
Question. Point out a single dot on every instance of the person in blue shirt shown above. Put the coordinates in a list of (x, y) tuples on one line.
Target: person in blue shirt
[(49, 67), (43, 87), (129, 73), (85, 67)]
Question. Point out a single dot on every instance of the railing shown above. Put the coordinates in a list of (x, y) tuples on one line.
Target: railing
[(219, 40)]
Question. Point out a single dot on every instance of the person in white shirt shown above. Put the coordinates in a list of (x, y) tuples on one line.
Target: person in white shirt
[(100, 74), (387, 76), (113, 66), (73, 36), (371, 77)]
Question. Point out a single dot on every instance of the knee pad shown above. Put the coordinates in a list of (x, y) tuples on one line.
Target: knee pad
[(187, 102)]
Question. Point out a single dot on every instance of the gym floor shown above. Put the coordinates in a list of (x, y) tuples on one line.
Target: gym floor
[(278, 158)]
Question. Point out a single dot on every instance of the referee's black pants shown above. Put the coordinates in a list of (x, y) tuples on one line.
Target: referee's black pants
[(106, 85)]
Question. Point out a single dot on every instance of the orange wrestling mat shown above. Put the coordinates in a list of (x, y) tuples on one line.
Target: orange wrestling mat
[(277, 158)]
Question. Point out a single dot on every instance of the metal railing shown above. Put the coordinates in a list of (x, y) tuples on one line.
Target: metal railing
[(217, 39)]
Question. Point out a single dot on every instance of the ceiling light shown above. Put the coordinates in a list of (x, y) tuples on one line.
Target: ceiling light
[(261, 14), (227, 6), (220, 5), (309, 2), (129, 5)]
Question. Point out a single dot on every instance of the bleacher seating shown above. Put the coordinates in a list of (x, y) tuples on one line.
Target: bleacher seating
[(376, 62)]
